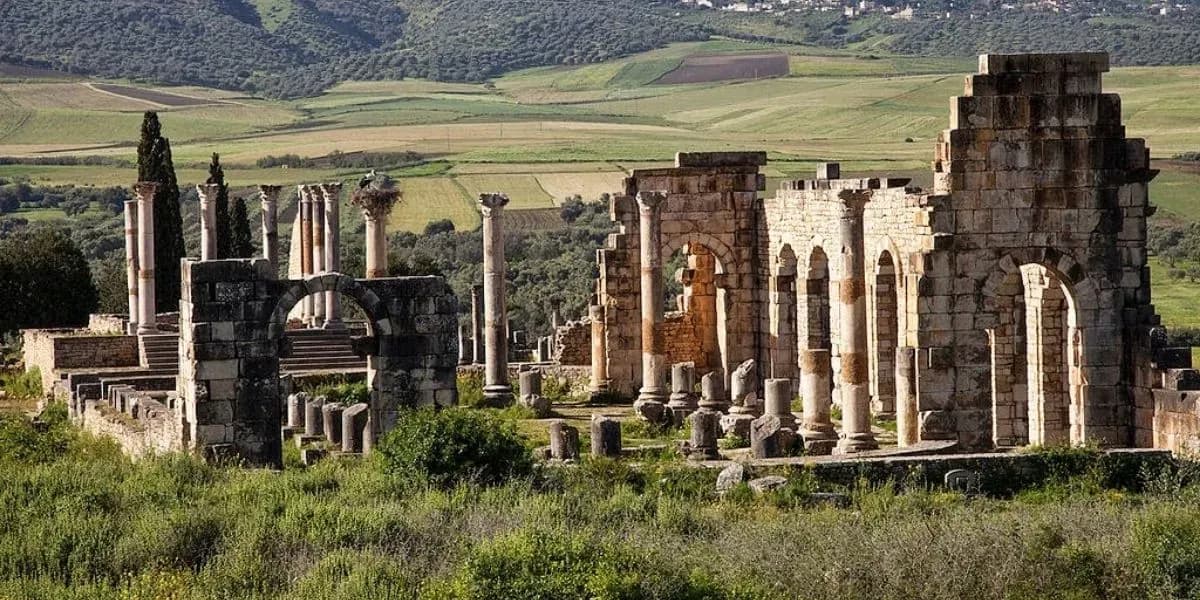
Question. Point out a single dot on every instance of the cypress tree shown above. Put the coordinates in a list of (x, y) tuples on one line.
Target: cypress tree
[(241, 244), (216, 175), (155, 164)]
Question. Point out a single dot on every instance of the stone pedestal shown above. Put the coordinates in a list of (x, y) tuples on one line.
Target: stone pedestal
[(295, 410), (496, 387), (599, 383), (683, 395), (355, 428), (530, 386), (769, 439), (331, 419), (269, 197), (131, 264), (854, 374), (778, 394), (606, 436), (743, 391), (314, 420), (706, 429), (712, 392), (564, 441), (208, 220), (817, 395), (147, 307), (653, 391)]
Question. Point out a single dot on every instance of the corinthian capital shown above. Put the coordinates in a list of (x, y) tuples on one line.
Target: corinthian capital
[(651, 201), (491, 202), (375, 203)]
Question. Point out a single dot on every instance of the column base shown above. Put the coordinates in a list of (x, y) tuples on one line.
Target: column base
[(500, 395), (737, 425), (650, 408), (682, 405), (337, 325), (147, 329), (862, 442), (819, 440)]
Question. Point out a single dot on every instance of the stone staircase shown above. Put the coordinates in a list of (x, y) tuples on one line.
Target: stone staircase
[(320, 350), (312, 350)]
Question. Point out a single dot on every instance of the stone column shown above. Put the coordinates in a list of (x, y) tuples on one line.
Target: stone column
[(477, 324), (318, 251), (306, 248), (147, 314), (599, 351), (376, 205), (906, 396), (331, 192), (496, 388), (683, 397), (208, 220), (817, 394), (854, 374), (131, 264), (269, 196), (653, 355)]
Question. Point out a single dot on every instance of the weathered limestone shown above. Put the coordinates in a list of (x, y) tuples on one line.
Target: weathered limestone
[(131, 264), (308, 307), (296, 404), (653, 391), (778, 393), (208, 220), (530, 386), (606, 436), (355, 430), (314, 423), (744, 405), (269, 198), (906, 396), (318, 252), (706, 429), (464, 346), (331, 193), (683, 395), (769, 439), (599, 357), (376, 204), (854, 373), (712, 392), (477, 342), (331, 420), (496, 387), (147, 313), (564, 441)]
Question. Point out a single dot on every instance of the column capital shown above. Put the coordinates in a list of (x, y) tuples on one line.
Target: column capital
[(853, 202), (208, 192), (375, 203), (651, 201), (330, 191), (269, 193), (145, 190), (491, 202)]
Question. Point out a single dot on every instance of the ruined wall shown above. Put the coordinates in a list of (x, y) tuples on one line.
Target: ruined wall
[(712, 201), (1176, 421), (51, 350), (109, 324), (681, 340), (573, 345), (1040, 173), (233, 317)]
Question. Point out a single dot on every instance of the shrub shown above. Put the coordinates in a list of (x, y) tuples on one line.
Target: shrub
[(23, 386), (1166, 551), (444, 448), (24, 441), (470, 389), (346, 392)]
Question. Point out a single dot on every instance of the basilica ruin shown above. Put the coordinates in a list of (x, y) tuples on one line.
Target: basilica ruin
[(1008, 306)]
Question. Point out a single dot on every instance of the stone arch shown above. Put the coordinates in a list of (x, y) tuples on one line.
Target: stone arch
[(721, 250), (784, 327), (1067, 319), (378, 323)]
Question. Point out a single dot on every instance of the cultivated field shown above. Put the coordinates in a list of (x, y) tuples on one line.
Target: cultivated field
[(545, 134), (707, 68)]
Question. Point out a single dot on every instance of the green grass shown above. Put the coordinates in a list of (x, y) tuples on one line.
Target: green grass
[(1178, 193), (1175, 299)]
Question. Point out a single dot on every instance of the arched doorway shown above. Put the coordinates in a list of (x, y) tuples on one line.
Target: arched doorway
[(884, 335), (697, 329)]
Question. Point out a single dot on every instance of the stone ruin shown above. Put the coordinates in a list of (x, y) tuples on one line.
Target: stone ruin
[(1008, 306)]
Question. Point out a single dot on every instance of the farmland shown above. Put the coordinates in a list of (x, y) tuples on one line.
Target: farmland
[(548, 133)]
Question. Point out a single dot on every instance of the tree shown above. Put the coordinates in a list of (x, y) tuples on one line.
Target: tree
[(47, 281), (155, 164), (216, 175), (241, 244)]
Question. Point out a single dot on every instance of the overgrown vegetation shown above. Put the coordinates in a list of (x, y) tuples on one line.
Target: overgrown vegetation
[(443, 448), (82, 521)]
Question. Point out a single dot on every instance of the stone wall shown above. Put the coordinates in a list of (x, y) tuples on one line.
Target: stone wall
[(681, 341), (52, 350), (573, 344), (111, 324), (156, 429), (1177, 421)]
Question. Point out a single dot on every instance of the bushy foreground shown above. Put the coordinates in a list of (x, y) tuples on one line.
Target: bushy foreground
[(80, 521)]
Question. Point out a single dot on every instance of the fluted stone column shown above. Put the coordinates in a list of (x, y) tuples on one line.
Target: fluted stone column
[(496, 387), (376, 205), (331, 193), (269, 196), (854, 374), (208, 220), (131, 264), (318, 250), (599, 350), (306, 248), (817, 393), (147, 314), (653, 354), (477, 354)]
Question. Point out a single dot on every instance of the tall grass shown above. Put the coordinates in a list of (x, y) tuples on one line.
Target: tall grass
[(81, 521)]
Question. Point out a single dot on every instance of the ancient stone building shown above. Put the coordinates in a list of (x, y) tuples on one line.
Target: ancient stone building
[(1010, 305)]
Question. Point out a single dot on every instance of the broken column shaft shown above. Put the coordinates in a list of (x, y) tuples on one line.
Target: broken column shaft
[(269, 196), (209, 194)]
